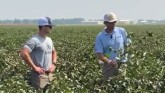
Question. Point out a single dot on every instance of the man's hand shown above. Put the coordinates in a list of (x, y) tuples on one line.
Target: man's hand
[(112, 63), (39, 70), (52, 68)]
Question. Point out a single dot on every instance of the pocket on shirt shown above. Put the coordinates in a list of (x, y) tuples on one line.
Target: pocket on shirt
[(119, 42), (119, 39)]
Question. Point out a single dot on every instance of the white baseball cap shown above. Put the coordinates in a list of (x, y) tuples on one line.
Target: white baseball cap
[(110, 17), (43, 21)]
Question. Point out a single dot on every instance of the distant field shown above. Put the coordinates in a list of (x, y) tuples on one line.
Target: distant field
[(78, 69)]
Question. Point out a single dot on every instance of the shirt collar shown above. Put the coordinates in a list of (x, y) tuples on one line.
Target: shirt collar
[(105, 33)]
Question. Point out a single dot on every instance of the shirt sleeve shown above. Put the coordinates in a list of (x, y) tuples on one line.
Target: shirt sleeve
[(98, 45), (127, 40), (53, 48), (30, 44)]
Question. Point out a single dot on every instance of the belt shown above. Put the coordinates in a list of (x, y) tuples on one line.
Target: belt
[(47, 72)]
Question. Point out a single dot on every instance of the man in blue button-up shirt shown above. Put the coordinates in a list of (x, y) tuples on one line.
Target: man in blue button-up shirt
[(109, 45)]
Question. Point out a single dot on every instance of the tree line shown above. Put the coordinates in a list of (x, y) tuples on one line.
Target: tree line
[(34, 21)]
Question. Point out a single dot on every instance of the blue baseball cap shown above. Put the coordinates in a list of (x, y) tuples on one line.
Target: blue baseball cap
[(45, 21)]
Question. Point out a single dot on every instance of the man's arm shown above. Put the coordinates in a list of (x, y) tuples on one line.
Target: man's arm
[(25, 54), (54, 60), (105, 59), (54, 56), (99, 51), (26, 57), (127, 43)]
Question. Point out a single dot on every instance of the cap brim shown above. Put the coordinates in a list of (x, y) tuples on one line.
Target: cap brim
[(110, 21), (46, 25)]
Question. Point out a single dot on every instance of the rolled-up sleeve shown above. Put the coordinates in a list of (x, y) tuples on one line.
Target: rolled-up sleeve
[(30, 44), (98, 45)]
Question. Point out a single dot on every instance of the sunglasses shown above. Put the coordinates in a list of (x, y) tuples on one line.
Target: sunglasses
[(106, 22), (49, 26)]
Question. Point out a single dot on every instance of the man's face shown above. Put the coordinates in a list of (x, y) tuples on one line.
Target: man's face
[(110, 25), (46, 29)]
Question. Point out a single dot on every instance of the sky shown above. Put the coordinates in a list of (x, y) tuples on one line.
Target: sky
[(88, 9)]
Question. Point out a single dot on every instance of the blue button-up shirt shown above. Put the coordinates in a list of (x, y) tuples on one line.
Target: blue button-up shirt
[(109, 43)]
